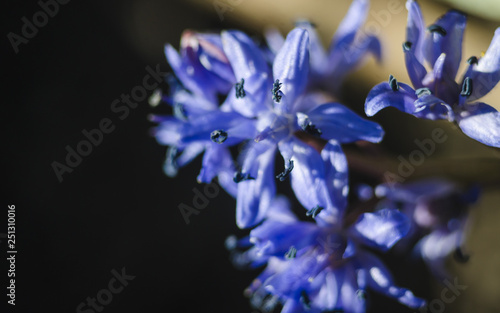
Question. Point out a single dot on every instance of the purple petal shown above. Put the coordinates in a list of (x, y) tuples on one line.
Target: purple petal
[(486, 74), (415, 30), (382, 96), (352, 56), (380, 280), (170, 131), (280, 210), (215, 159), (450, 43), (192, 74), (248, 64), (308, 178), (480, 122), (274, 39), (255, 195), (416, 71), (382, 229), (237, 127), (317, 54), (291, 65), (337, 122), (337, 176), (211, 55), (352, 22), (274, 238), (433, 108)]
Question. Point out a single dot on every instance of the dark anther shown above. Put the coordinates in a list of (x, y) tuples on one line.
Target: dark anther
[(361, 294), (283, 175), (422, 92), (314, 211), (179, 111), (466, 87), (218, 136), (291, 253), (393, 83), (407, 46), (304, 298), (472, 60), (240, 92), (460, 256), (239, 177), (275, 90), (310, 128), (437, 29), (172, 154)]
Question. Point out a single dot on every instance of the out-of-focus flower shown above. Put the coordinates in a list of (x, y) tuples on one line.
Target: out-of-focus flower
[(313, 268), (348, 48), (296, 123), (199, 124), (437, 95), (439, 210)]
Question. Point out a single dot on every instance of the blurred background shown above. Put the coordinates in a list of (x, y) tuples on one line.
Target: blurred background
[(117, 208)]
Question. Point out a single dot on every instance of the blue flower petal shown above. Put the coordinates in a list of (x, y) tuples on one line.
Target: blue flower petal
[(308, 179), (350, 25), (211, 55), (215, 159), (480, 122), (337, 122), (382, 229), (255, 195), (449, 43), (486, 74), (317, 54), (250, 65), (291, 66), (170, 131), (274, 40), (192, 74), (416, 71), (274, 238), (433, 108), (352, 56), (415, 31), (337, 175), (382, 96), (380, 280), (200, 128)]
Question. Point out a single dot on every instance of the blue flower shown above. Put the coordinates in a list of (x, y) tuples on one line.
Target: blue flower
[(199, 124), (439, 210), (306, 130), (316, 268), (201, 65), (349, 47), (437, 95)]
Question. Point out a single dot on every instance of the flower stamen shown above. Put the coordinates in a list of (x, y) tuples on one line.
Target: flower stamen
[(218, 136), (240, 92)]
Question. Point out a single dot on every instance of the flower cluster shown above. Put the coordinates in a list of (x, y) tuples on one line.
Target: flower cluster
[(437, 95), (230, 95)]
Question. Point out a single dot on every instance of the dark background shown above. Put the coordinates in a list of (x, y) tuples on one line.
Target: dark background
[(117, 208)]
